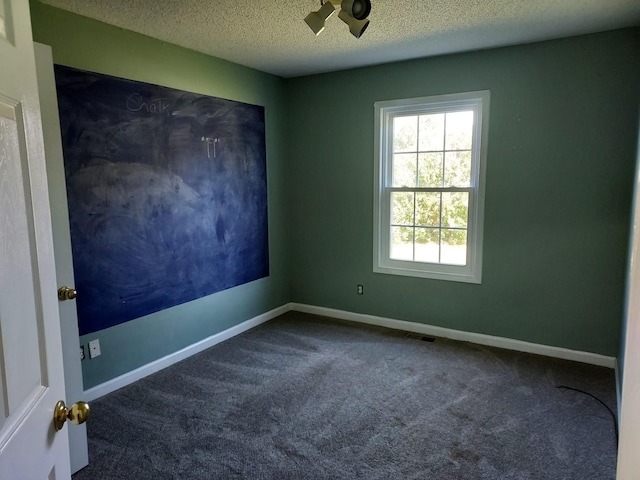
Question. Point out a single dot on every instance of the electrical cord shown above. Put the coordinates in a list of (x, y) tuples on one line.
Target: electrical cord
[(613, 415)]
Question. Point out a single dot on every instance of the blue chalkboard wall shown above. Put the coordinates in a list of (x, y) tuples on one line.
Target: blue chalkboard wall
[(167, 195)]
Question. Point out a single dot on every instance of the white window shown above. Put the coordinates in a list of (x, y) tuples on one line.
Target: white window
[(429, 186)]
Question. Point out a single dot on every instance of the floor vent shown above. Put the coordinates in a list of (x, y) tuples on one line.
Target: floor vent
[(417, 336)]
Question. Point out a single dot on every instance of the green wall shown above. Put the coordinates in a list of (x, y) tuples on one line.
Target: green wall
[(82, 43), (561, 154), (562, 139)]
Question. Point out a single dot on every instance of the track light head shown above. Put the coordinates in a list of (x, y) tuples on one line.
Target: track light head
[(316, 20), (356, 27), (358, 9)]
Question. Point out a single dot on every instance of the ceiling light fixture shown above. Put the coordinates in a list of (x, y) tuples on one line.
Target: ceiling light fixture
[(352, 12)]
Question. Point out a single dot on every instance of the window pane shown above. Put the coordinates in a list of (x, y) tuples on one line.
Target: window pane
[(404, 170), (402, 208), (427, 245), (430, 169), (457, 169), (459, 132), (405, 134), (401, 243), (455, 209), (428, 209), (454, 247), (431, 132)]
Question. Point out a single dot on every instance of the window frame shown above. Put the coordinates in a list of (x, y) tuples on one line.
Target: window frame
[(385, 111)]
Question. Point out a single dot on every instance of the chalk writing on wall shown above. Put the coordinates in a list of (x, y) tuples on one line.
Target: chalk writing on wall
[(167, 195)]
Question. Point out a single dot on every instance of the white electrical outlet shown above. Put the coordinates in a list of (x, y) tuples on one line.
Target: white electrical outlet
[(94, 348)]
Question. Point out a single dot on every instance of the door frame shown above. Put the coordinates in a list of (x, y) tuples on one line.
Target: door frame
[(74, 389)]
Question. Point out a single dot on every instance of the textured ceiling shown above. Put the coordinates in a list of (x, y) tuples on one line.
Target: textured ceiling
[(271, 35)]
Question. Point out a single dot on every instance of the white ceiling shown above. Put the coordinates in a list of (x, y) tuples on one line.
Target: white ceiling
[(271, 35)]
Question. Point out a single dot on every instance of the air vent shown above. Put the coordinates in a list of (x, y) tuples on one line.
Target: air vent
[(417, 336)]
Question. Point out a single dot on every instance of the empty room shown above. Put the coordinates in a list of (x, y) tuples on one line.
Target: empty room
[(336, 239)]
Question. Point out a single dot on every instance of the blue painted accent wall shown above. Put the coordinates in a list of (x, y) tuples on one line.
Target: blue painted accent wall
[(167, 195)]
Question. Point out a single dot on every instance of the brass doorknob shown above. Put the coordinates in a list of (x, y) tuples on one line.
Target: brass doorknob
[(78, 413), (66, 293)]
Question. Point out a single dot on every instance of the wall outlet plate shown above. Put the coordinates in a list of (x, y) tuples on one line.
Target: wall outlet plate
[(94, 348)]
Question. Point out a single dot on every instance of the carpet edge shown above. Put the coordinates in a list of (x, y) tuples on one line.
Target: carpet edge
[(477, 338), (152, 367)]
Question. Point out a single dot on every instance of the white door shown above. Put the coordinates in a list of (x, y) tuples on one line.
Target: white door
[(31, 371), (629, 444)]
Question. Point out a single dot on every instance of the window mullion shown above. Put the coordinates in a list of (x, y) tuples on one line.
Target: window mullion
[(444, 148), (415, 197), (440, 233), (414, 225), (431, 189)]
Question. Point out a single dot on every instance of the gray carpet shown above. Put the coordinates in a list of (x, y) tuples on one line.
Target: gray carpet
[(307, 397)]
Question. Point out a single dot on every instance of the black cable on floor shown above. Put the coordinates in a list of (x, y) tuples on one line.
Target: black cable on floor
[(613, 415)]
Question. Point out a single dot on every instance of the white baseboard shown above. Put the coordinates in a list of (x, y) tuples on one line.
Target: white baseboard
[(157, 365), (500, 342), (478, 338)]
